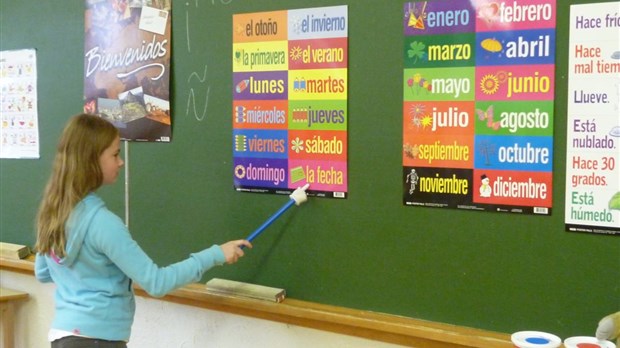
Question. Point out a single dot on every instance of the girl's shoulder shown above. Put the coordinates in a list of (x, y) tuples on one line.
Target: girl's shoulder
[(107, 229), (103, 219)]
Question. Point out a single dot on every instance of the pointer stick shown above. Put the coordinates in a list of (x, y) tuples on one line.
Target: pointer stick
[(297, 197), (270, 220)]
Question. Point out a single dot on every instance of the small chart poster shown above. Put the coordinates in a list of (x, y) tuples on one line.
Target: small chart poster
[(19, 135), (127, 66), (478, 94), (289, 111), (593, 131)]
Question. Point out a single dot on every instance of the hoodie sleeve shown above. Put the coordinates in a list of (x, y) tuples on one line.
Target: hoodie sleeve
[(112, 238), (41, 272)]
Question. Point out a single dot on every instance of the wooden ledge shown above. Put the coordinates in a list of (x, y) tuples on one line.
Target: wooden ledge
[(8, 295), (371, 325), (20, 266)]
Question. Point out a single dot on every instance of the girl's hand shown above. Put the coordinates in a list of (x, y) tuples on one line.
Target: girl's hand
[(232, 250)]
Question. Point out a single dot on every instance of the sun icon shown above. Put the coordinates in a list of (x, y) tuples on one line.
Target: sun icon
[(295, 53), (427, 121), (489, 84)]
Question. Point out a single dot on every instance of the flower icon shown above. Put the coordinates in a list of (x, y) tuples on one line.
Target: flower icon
[(297, 145)]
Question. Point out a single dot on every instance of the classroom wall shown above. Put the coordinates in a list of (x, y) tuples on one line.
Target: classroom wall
[(500, 272), (170, 325)]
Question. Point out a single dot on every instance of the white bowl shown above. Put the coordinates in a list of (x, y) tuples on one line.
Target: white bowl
[(535, 339), (586, 342)]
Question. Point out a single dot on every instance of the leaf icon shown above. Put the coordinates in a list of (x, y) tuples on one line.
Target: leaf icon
[(614, 202), (416, 51)]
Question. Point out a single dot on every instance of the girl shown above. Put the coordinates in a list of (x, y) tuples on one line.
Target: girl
[(87, 251)]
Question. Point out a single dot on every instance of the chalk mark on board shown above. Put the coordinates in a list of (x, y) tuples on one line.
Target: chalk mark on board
[(191, 99), (189, 48)]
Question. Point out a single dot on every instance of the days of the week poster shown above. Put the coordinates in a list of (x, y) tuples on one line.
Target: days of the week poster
[(289, 108), (127, 66), (593, 127), (478, 94)]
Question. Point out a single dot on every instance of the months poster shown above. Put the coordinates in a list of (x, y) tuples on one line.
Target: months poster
[(478, 94)]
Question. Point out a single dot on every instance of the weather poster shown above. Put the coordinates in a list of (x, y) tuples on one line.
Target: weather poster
[(592, 203), (478, 94), (289, 111)]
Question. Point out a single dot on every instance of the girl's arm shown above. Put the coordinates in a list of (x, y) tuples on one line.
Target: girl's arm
[(112, 237), (41, 272)]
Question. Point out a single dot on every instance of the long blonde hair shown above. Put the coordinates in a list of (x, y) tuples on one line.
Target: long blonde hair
[(75, 173)]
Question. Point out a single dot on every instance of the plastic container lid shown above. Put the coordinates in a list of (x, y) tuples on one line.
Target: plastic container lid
[(587, 342), (535, 339)]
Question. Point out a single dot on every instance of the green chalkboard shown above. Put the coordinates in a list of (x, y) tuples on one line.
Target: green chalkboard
[(487, 270)]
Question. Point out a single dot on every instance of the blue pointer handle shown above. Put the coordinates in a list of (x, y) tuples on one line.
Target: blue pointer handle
[(270, 220)]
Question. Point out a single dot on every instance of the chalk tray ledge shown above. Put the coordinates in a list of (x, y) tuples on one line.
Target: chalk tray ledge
[(366, 324)]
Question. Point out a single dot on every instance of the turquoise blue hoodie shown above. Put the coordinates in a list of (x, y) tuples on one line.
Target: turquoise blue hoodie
[(93, 294)]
